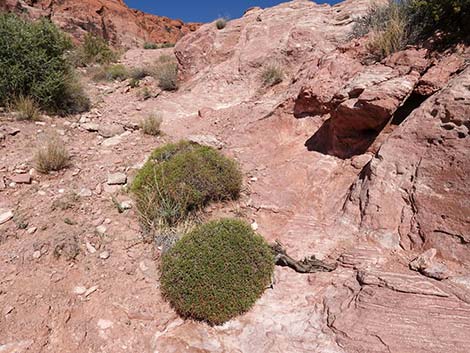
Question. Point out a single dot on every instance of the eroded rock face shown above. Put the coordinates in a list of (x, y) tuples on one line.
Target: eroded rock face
[(417, 186), (110, 19)]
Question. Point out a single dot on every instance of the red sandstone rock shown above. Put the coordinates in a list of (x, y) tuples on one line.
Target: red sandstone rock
[(110, 19)]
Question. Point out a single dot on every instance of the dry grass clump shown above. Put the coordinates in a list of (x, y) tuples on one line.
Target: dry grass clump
[(151, 125), (166, 72), (272, 75), (390, 36), (26, 108), (110, 73), (53, 156)]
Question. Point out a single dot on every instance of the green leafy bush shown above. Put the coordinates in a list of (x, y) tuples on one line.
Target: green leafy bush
[(272, 75), (451, 16), (33, 63), (181, 178), (217, 271)]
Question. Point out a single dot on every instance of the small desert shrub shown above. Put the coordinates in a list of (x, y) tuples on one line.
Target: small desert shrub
[(139, 73), (33, 64), (111, 73), (217, 271), (53, 156), (94, 50), (134, 82), (151, 125), (26, 108), (167, 76), (403, 22), (391, 36), (149, 45), (272, 75), (221, 23), (181, 178), (145, 93)]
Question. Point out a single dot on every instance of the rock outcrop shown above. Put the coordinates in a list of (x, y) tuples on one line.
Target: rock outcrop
[(110, 19), (364, 164)]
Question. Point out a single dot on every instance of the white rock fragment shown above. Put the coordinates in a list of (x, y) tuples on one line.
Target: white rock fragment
[(117, 179), (104, 324), (5, 216)]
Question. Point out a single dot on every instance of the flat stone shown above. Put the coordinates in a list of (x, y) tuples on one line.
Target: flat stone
[(206, 140), (104, 324), (92, 127), (113, 141), (101, 230), (117, 179), (6, 216), (85, 193), (104, 255), (110, 130), (21, 179)]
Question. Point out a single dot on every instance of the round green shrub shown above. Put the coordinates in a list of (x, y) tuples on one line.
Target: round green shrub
[(217, 271), (33, 64), (181, 178)]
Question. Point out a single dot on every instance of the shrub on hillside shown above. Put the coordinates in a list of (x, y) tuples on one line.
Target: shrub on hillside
[(181, 178), (221, 23), (450, 16), (217, 271), (110, 73), (94, 50), (33, 64), (150, 45), (272, 75), (167, 76), (403, 22)]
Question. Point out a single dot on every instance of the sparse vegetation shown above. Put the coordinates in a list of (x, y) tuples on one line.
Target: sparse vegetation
[(151, 125), (53, 156), (404, 22), (150, 45), (217, 271), (26, 109), (145, 93), (167, 76), (181, 178), (272, 75), (111, 73), (391, 35), (33, 64), (139, 73), (221, 23), (94, 50)]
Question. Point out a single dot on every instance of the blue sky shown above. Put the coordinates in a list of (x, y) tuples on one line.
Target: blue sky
[(202, 10)]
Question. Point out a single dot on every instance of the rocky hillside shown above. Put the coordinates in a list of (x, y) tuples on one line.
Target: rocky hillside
[(110, 19), (359, 162)]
